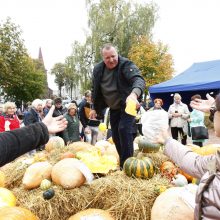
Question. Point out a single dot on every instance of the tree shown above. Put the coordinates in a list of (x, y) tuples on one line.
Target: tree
[(71, 76), (20, 79), (117, 22), (59, 71), (153, 59), (83, 64)]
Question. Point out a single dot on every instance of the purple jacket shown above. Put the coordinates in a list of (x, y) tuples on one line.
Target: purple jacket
[(206, 168)]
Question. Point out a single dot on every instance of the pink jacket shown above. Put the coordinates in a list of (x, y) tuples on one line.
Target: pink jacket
[(206, 168)]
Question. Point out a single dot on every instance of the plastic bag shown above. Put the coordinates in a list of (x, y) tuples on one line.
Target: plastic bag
[(153, 123)]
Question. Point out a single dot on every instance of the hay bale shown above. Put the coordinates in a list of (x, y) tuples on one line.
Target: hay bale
[(124, 197), (14, 172)]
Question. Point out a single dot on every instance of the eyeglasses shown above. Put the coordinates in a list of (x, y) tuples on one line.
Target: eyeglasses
[(212, 112)]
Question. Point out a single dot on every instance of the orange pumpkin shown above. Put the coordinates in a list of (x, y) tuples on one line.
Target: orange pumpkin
[(16, 213), (168, 169), (7, 198), (188, 177), (92, 214), (53, 143), (169, 205), (67, 154), (66, 174)]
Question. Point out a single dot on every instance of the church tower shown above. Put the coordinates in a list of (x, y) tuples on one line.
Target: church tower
[(48, 92)]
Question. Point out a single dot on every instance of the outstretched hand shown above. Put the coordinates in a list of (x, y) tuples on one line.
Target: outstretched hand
[(54, 124), (203, 105), (162, 137)]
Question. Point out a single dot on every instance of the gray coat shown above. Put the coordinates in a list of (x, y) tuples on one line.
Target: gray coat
[(206, 168)]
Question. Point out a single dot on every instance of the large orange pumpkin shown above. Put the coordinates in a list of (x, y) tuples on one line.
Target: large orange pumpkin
[(169, 205), (66, 174), (16, 213), (92, 214)]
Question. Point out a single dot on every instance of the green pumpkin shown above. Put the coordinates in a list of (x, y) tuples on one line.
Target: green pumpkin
[(140, 167), (48, 194), (146, 146)]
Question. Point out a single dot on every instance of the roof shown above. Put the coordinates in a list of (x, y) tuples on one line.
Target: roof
[(200, 76)]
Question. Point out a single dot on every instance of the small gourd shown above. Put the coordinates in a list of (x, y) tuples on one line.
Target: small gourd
[(146, 146), (45, 184), (48, 194)]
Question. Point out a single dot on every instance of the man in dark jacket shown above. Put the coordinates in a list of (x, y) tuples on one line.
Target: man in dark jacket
[(115, 81), (59, 110)]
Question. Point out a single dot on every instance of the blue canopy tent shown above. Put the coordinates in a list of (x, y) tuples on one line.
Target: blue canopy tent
[(201, 78)]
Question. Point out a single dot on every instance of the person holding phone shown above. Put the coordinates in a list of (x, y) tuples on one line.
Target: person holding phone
[(178, 114)]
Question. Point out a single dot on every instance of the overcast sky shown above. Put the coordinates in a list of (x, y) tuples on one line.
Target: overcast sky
[(189, 27)]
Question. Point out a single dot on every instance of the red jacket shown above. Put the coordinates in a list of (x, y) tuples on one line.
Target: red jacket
[(14, 122)]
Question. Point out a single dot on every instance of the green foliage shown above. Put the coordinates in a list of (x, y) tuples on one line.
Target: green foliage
[(153, 60), (109, 21), (20, 79), (59, 71), (117, 22)]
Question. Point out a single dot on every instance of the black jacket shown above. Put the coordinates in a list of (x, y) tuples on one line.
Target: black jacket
[(128, 78), (31, 117), (22, 140)]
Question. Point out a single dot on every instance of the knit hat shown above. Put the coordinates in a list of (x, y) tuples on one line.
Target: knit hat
[(71, 105), (57, 100)]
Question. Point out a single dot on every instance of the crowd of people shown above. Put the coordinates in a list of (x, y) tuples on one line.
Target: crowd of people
[(116, 81)]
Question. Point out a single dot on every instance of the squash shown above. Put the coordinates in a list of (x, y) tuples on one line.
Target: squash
[(67, 154), (169, 205), (106, 148), (179, 180), (16, 213), (92, 214), (140, 167), (146, 146), (168, 169), (205, 150), (80, 146), (48, 194), (53, 143), (41, 156), (66, 174), (188, 177), (35, 173), (195, 181), (2, 179), (45, 184), (98, 163), (7, 198)]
